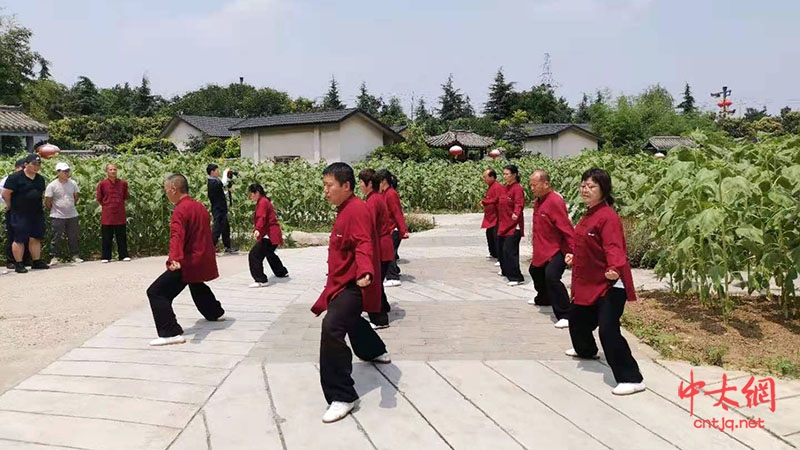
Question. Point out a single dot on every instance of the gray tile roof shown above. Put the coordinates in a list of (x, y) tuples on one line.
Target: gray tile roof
[(550, 129), (464, 138), (13, 120), (283, 120), (213, 126), (665, 143)]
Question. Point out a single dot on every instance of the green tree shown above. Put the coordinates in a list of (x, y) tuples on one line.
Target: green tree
[(498, 106), (542, 105), (331, 100), (45, 100), (302, 105), (144, 101), (266, 102), (421, 113), (583, 113), (392, 113), (514, 132), (790, 120), (118, 100), (18, 62), (452, 104), (84, 98), (687, 105), (367, 102), (754, 115)]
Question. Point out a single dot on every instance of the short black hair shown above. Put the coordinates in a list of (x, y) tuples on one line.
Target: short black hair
[(211, 168), (179, 182), (342, 172), (20, 163), (603, 179), (370, 178), (492, 173), (384, 174)]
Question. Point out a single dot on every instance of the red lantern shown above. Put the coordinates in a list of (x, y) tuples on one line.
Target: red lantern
[(495, 153), (47, 151), (728, 103), (456, 150)]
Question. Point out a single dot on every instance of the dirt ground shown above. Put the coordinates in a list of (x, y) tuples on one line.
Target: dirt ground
[(44, 314), (755, 338)]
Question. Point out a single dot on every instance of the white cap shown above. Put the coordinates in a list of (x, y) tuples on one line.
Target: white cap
[(62, 166)]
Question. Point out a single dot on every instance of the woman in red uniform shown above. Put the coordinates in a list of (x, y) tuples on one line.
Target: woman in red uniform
[(601, 283), (268, 236), (510, 226), (389, 191), (370, 187)]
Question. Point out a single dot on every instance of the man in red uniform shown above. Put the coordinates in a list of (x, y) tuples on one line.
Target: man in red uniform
[(351, 288), (389, 191), (112, 193), (192, 261), (370, 184), (553, 237), (511, 225), (489, 204)]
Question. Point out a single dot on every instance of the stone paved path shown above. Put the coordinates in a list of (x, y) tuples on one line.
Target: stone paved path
[(474, 367)]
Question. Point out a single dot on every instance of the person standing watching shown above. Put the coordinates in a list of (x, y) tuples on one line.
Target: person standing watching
[(553, 237), (22, 193), (601, 283), (60, 198), (489, 204), (18, 166), (191, 262), (112, 193), (219, 209)]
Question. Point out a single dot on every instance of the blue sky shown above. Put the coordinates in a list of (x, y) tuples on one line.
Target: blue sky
[(409, 48)]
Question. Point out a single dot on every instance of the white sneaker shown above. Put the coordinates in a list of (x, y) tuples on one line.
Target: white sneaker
[(489, 257), (258, 285), (54, 261), (392, 283), (574, 354), (337, 411), (179, 339), (378, 327), (500, 273), (77, 260), (532, 302), (628, 388), (497, 264), (515, 283), (383, 359), (104, 261), (126, 259), (562, 323)]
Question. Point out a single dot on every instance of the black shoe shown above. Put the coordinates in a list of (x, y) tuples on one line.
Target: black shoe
[(20, 268), (231, 250), (286, 275), (39, 265), (10, 266)]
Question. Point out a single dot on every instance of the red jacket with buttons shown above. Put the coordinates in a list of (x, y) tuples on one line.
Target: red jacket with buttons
[(552, 230), (190, 241), (112, 196), (490, 204), (599, 246), (383, 224), (395, 210), (512, 201), (266, 222), (351, 255)]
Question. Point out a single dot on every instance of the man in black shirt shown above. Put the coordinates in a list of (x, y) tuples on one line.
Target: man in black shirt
[(219, 209), (23, 193)]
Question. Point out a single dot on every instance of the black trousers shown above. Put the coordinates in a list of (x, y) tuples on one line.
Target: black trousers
[(605, 314), (491, 241), (10, 235), (509, 261), (109, 232), (393, 272), (164, 290), (264, 249), (335, 359), (382, 318), (221, 227), (549, 288)]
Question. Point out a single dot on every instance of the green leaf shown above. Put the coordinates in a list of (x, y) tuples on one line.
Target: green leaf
[(734, 188), (708, 221), (750, 233)]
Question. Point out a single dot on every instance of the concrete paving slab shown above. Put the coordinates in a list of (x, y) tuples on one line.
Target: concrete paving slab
[(160, 357), (194, 344), (206, 335), (16, 445), (300, 404), (528, 420), (457, 420), (123, 409), (91, 434), (118, 387), (193, 437), (198, 375), (239, 414), (709, 374)]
